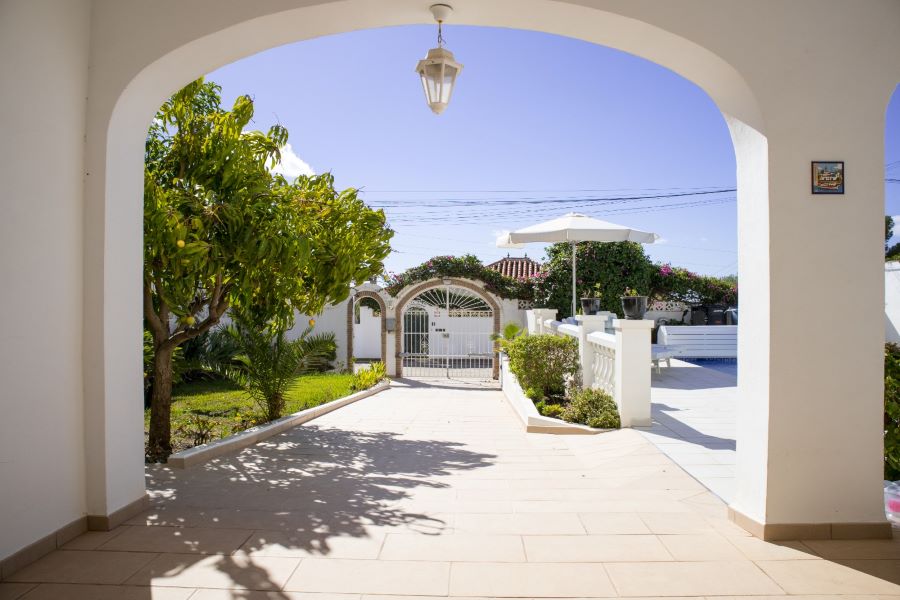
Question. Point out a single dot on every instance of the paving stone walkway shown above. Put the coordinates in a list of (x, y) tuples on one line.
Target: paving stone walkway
[(435, 492), (695, 421)]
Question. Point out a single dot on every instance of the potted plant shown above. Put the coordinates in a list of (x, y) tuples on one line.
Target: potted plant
[(591, 305), (633, 304)]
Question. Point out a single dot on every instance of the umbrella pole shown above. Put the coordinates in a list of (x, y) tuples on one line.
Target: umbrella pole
[(574, 262)]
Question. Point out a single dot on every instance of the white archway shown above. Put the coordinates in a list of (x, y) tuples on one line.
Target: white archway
[(139, 55)]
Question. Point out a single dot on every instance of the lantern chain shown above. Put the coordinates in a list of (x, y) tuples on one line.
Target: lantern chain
[(440, 36)]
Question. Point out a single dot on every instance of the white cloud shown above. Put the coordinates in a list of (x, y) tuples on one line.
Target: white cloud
[(661, 240), (291, 165)]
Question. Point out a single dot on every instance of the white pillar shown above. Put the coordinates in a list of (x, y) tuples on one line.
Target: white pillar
[(588, 325), (44, 62), (541, 315), (632, 391), (810, 399)]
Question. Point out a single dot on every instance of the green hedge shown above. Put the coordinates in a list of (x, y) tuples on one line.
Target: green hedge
[(594, 408), (543, 364)]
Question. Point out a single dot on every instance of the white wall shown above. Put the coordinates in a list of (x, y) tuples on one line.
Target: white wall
[(43, 70), (892, 302), (769, 65), (367, 334), (332, 319)]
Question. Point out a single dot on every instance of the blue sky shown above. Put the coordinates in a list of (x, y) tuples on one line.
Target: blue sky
[(533, 116)]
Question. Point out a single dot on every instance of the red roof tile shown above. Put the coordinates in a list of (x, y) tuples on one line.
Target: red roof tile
[(517, 268)]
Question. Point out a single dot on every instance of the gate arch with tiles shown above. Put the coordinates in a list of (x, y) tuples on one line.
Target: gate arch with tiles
[(444, 330)]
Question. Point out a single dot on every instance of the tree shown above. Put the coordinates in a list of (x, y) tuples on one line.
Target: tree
[(610, 266), (890, 252), (221, 232)]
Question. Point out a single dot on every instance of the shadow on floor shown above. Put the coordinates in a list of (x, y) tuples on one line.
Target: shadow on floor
[(314, 483), (681, 431)]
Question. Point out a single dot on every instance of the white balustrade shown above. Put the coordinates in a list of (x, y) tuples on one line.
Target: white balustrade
[(603, 361), (617, 363)]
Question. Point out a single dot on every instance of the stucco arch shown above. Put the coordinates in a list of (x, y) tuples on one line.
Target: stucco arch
[(761, 63), (350, 320), (209, 34), (410, 293)]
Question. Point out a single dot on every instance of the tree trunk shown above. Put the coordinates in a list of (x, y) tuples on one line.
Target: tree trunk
[(160, 443)]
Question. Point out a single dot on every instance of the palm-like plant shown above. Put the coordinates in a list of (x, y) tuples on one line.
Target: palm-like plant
[(510, 332), (268, 363)]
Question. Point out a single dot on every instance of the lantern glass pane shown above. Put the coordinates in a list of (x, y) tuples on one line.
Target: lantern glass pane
[(447, 82), (431, 78)]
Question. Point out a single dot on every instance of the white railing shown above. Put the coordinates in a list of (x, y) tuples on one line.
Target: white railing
[(603, 347), (617, 363)]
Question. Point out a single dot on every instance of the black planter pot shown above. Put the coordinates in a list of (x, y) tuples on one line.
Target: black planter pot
[(634, 307), (590, 306)]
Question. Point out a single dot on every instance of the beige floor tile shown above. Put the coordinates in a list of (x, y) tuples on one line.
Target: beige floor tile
[(595, 548), (459, 547), (690, 579), (613, 523), (856, 549), (826, 577), (209, 594), (277, 543), (699, 547), (756, 549), (68, 591), (226, 572), (520, 524), (533, 580), (14, 591), (371, 577), (178, 540), (91, 540), (84, 566), (669, 524)]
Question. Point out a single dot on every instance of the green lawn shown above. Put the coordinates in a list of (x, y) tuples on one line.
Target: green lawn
[(219, 408)]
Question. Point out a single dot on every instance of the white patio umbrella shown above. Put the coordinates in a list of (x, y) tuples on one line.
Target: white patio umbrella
[(574, 228)]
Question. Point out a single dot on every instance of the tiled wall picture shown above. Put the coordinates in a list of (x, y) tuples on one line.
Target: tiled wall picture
[(828, 177)]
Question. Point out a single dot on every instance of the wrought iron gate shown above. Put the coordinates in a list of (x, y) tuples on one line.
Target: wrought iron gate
[(447, 333)]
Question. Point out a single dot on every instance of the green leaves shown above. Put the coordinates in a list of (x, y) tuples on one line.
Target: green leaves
[(214, 214), (222, 232), (611, 266), (891, 412), (543, 363)]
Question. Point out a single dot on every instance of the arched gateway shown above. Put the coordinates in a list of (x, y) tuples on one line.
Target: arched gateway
[(444, 329)]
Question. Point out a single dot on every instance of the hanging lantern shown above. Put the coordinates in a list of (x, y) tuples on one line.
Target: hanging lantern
[(438, 70)]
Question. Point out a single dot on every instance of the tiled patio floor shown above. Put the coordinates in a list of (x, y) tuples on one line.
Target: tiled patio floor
[(694, 415), (431, 491)]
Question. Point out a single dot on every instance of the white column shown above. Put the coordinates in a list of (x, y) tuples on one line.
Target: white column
[(632, 391), (541, 315), (44, 60), (810, 399), (588, 325)]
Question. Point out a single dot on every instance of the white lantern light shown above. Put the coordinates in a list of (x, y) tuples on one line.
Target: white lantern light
[(438, 70)]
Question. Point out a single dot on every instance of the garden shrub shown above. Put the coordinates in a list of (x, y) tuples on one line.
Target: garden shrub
[(594, 408), (891, 412), (268, 362), (549, 409), (543, 364), (366, 378)]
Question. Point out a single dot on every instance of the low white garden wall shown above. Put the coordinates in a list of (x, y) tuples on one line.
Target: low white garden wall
[(528, 414), (248, 437)]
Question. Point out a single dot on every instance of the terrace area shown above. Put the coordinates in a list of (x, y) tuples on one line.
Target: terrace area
[(437, 491)]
